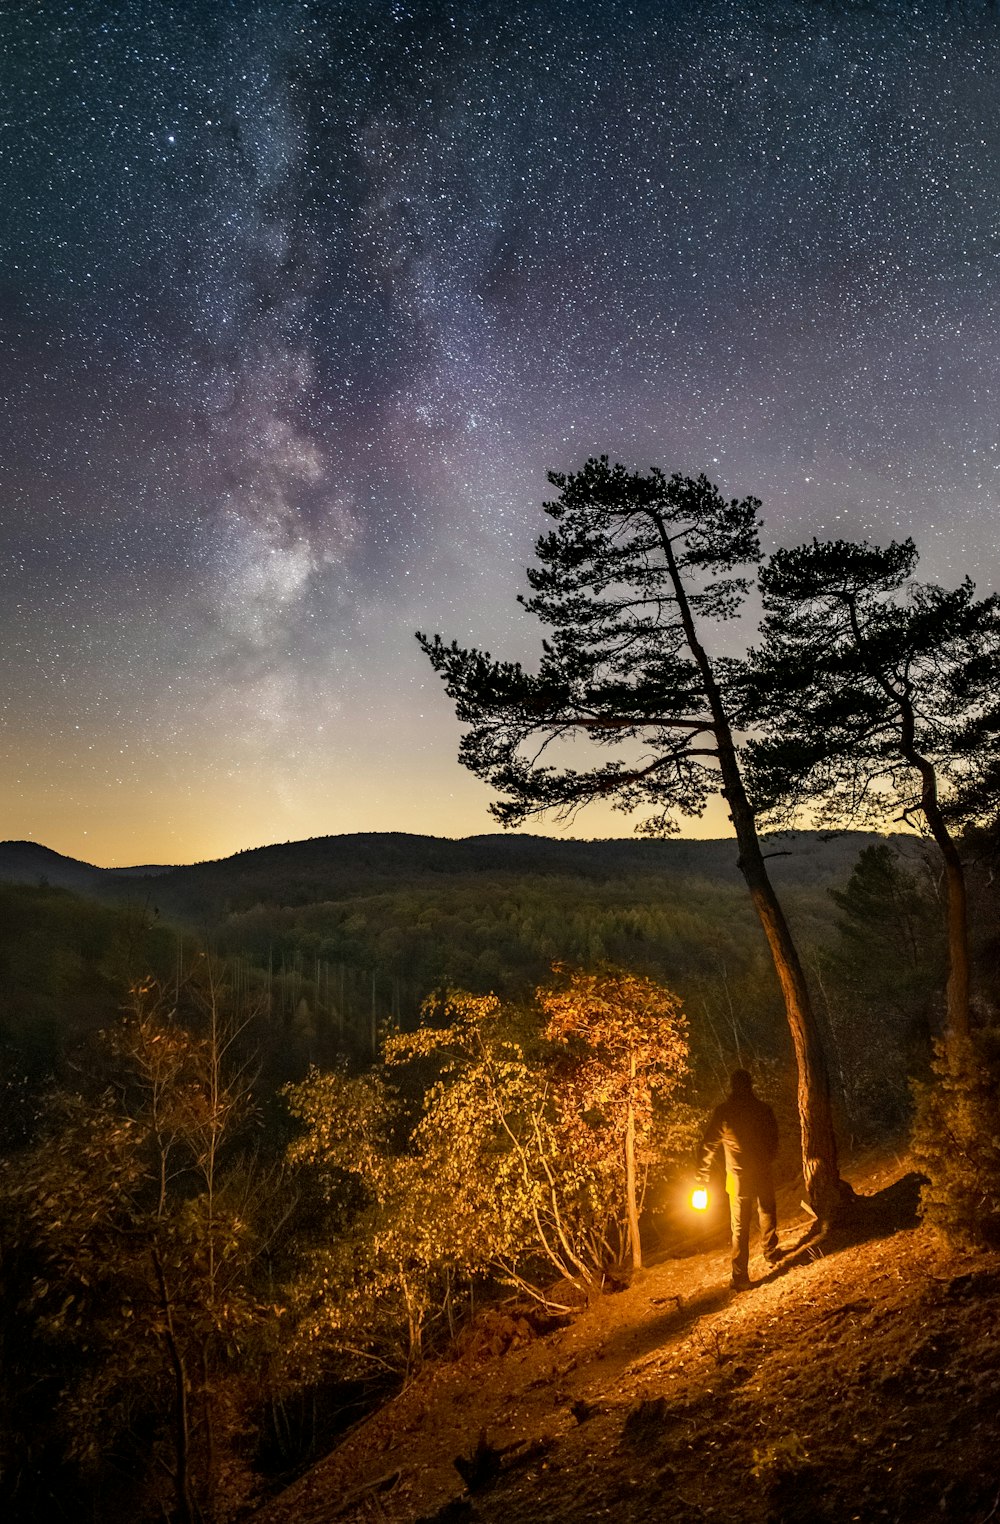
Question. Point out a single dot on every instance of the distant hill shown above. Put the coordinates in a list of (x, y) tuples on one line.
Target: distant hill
[(28, 862), (326, 868)]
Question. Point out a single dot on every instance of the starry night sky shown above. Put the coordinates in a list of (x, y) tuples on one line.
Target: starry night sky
[(298, 301)]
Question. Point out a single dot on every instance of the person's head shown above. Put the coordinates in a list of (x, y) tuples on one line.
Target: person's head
[(741, 1083)]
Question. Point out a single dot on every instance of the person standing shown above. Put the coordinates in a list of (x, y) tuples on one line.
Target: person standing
[(746, 1129)]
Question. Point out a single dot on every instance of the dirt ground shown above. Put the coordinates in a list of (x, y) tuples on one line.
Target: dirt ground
[(858, 1381)]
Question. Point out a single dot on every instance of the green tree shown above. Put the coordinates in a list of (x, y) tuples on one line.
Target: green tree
[(881, 977), (627, 578), (956, 1141), (877, 695), (889, 948)]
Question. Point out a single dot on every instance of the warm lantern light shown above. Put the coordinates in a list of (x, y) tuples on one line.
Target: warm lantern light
[(699, 1200)]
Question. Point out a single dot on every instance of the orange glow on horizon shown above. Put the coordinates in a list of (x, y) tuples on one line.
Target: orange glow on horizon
[(179, 813)]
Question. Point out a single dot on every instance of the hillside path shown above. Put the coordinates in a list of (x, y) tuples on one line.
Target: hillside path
[(860, 1381)]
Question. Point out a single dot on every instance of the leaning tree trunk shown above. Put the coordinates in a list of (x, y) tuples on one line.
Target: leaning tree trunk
[(957, 1019), (958, 1025), (826, 1192)]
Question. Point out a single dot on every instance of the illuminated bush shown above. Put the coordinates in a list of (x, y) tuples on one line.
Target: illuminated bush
[(496, 1143)]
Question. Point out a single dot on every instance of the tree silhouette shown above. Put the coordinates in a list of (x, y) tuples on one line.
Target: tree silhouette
[(634, 565), (878, 694)]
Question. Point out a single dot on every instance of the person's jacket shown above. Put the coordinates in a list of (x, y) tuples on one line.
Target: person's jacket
[(746, 1128)]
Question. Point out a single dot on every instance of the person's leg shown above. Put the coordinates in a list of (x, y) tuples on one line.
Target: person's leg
[(768, 1213), (740, 1211)]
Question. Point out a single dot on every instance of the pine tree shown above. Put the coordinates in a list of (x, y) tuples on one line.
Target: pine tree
[(876, 695), (633, 570)]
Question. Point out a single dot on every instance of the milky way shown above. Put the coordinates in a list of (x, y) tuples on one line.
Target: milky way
[(299, 301)]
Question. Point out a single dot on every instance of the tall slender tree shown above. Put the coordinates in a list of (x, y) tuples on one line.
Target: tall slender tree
[(634, 568), (875, 696)]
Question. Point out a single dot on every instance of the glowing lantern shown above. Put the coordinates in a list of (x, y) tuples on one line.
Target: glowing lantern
[(699, 1200)]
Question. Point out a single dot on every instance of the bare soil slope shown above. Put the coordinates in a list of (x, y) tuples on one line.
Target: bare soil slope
[(859, 1381)]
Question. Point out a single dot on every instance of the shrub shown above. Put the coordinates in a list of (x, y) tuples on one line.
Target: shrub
[(956, 1139)]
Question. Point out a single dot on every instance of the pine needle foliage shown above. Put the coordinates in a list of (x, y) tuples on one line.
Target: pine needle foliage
[(875, 696), (631, 561)]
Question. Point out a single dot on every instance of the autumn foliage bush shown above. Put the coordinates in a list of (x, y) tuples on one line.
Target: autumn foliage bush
[(497, 1144)]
